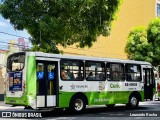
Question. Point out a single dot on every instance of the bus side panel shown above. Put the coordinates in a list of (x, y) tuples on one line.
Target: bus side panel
[(142, 95), (16, 101), (99, 98), (64, 98), (106, 98), (31, 80)]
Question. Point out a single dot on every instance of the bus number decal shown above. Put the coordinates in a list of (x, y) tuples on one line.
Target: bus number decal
[(130, 84)]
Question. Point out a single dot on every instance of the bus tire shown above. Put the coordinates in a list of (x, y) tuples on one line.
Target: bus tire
[(133, 101), (77, 104)]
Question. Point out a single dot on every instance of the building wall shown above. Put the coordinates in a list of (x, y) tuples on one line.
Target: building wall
[(2, 72), (2, 58), (12, 48), (1, 84), (132, 13)]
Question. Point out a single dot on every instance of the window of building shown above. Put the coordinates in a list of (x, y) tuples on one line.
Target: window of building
[(158, 9), (133, 72), (115, 71), (95, 70), (72, 70)]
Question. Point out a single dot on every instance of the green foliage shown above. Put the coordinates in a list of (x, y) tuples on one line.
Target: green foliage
[(144, 44), (63, 22), (137, 46), (153, 33)]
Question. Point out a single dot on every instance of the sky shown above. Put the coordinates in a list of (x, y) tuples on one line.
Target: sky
[(6, 27)]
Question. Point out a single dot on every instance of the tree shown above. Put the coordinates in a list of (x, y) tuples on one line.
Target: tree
[(63, 22), (153, 36), (144, 43), (137, 47)]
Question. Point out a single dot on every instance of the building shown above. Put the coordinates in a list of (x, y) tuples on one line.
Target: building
[(2, 71), (12, 48), (132, 13)]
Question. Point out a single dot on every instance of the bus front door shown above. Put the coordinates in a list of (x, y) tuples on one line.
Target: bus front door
[(148, 83), (47, 79)]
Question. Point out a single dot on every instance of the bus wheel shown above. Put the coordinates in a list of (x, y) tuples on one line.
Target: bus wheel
[(133, 101), (77, 104)]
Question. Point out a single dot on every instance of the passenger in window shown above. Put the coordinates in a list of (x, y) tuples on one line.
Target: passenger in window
[(64, 76), (90, 76), (70, 74)]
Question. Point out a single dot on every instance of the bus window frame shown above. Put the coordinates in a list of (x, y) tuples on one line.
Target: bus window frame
[(123, 79), (102, 71), (79, 66), (140, 73)]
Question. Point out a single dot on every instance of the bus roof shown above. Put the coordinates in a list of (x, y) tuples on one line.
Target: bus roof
[(51, 55)]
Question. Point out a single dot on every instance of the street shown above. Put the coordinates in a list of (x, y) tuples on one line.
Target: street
[(146, 110)]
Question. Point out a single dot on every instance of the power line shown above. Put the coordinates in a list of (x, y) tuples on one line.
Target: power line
[(13, 44), (57, 45), (14, 35), (65, 52)]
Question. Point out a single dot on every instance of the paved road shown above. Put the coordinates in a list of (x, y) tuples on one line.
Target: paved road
[(148, 108)]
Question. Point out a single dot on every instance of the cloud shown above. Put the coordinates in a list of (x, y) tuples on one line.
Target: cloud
[(3, 24)]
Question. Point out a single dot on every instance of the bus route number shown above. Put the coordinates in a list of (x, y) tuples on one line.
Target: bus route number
[(130, 84)]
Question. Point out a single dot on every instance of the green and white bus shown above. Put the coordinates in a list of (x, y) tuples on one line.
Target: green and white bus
[(47, 81)]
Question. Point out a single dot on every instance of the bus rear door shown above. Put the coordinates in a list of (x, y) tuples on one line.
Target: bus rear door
[(47, 82), (148, 77)]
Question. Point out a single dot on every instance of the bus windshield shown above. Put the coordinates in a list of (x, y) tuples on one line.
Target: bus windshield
[(16, 62)]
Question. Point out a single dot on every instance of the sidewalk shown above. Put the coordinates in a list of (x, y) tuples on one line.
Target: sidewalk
[(4, 106)]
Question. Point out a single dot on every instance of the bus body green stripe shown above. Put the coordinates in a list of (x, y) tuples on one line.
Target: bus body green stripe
[(31, 76), (96, 98)]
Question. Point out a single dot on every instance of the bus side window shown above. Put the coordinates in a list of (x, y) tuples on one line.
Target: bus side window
[(72, 70), (79, 75), (133, 72), (128, 77), (115, 71), (95, 71), (90, 76)]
